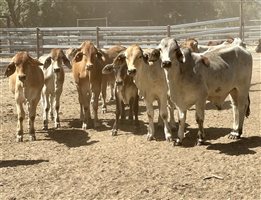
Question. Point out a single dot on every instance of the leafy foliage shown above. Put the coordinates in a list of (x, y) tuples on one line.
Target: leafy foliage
[(32, 13)]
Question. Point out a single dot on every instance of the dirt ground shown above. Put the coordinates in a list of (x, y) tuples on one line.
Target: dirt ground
[(69, 163)]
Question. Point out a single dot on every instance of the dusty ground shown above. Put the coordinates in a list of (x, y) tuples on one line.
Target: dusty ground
[(69, 163)]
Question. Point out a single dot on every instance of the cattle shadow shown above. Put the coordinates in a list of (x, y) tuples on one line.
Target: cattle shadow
[(70, 137), (237, 147), (212, 133), (225, 106), (128, 126), (16, 163), (73, 123)]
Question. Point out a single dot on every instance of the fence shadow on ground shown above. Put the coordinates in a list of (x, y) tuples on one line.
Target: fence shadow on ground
[(237, 147), (15, 163), (70, 137)]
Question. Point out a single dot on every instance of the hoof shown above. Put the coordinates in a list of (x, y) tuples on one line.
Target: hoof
[(114, 132), (177, 142), (200, 142), (19, 138), (57, 125), (111, 99), (104, 110), (45, 128), (234, 136), (150, 137), (32, 138), (84, 126), (168, 138)]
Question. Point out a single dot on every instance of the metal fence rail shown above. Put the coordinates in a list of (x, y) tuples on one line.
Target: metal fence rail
[(40, 40)]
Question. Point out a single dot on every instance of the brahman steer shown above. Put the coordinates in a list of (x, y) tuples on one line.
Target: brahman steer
[(109, 79), (126, 92), (53, 84), (194, 78), (87, 66), (26, 82), (152, 84)]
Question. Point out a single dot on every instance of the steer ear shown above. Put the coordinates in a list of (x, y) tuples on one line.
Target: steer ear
[(78, 57), (180, 56), (119, 59), (47, 62), (205, 60), (155, 55), (107, 69), (66, 62), (10, 69), (100, 55)]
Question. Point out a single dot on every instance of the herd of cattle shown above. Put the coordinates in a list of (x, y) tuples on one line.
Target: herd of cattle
[(175, 75)]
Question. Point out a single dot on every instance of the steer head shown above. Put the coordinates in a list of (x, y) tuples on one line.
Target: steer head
[(152, 55), (56, 59), (89, 55), (170, 52), (190, 43), (21, 64), (119, 67), (135, 59)]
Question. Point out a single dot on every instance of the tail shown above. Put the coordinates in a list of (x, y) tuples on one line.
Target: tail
[(248, 107)]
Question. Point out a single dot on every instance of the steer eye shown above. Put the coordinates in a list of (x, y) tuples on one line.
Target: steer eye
[(140, 57)]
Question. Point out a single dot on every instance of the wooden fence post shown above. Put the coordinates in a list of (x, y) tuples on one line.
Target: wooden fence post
[(168, 31), (38, 42), (97, 37), (241, 33)]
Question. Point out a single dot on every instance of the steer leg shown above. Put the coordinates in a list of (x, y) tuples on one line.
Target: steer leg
[(136, 111), (164, 115), (171, 108), (104, 95), (46, 110), (117, 113), (182, 119), (84, 98), (239, 105), (112, 93), (96, 122), (150, 113), (200, 108), (21, 116), (51, 107), (32, 105), (56, 105), (160, 121), (131, 109)]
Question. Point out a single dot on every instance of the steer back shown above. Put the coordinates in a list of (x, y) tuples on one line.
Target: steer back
[(223, 70)]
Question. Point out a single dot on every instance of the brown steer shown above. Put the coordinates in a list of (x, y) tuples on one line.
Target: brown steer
[(126, 92), (26, 82)]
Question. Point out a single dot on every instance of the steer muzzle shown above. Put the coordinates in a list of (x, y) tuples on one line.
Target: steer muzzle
[(89, 67), (131, 72), (166, 64), (57, 70), (119, 82), (22, 77)]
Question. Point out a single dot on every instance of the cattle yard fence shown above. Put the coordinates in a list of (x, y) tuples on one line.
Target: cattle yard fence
[(40, 40)]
